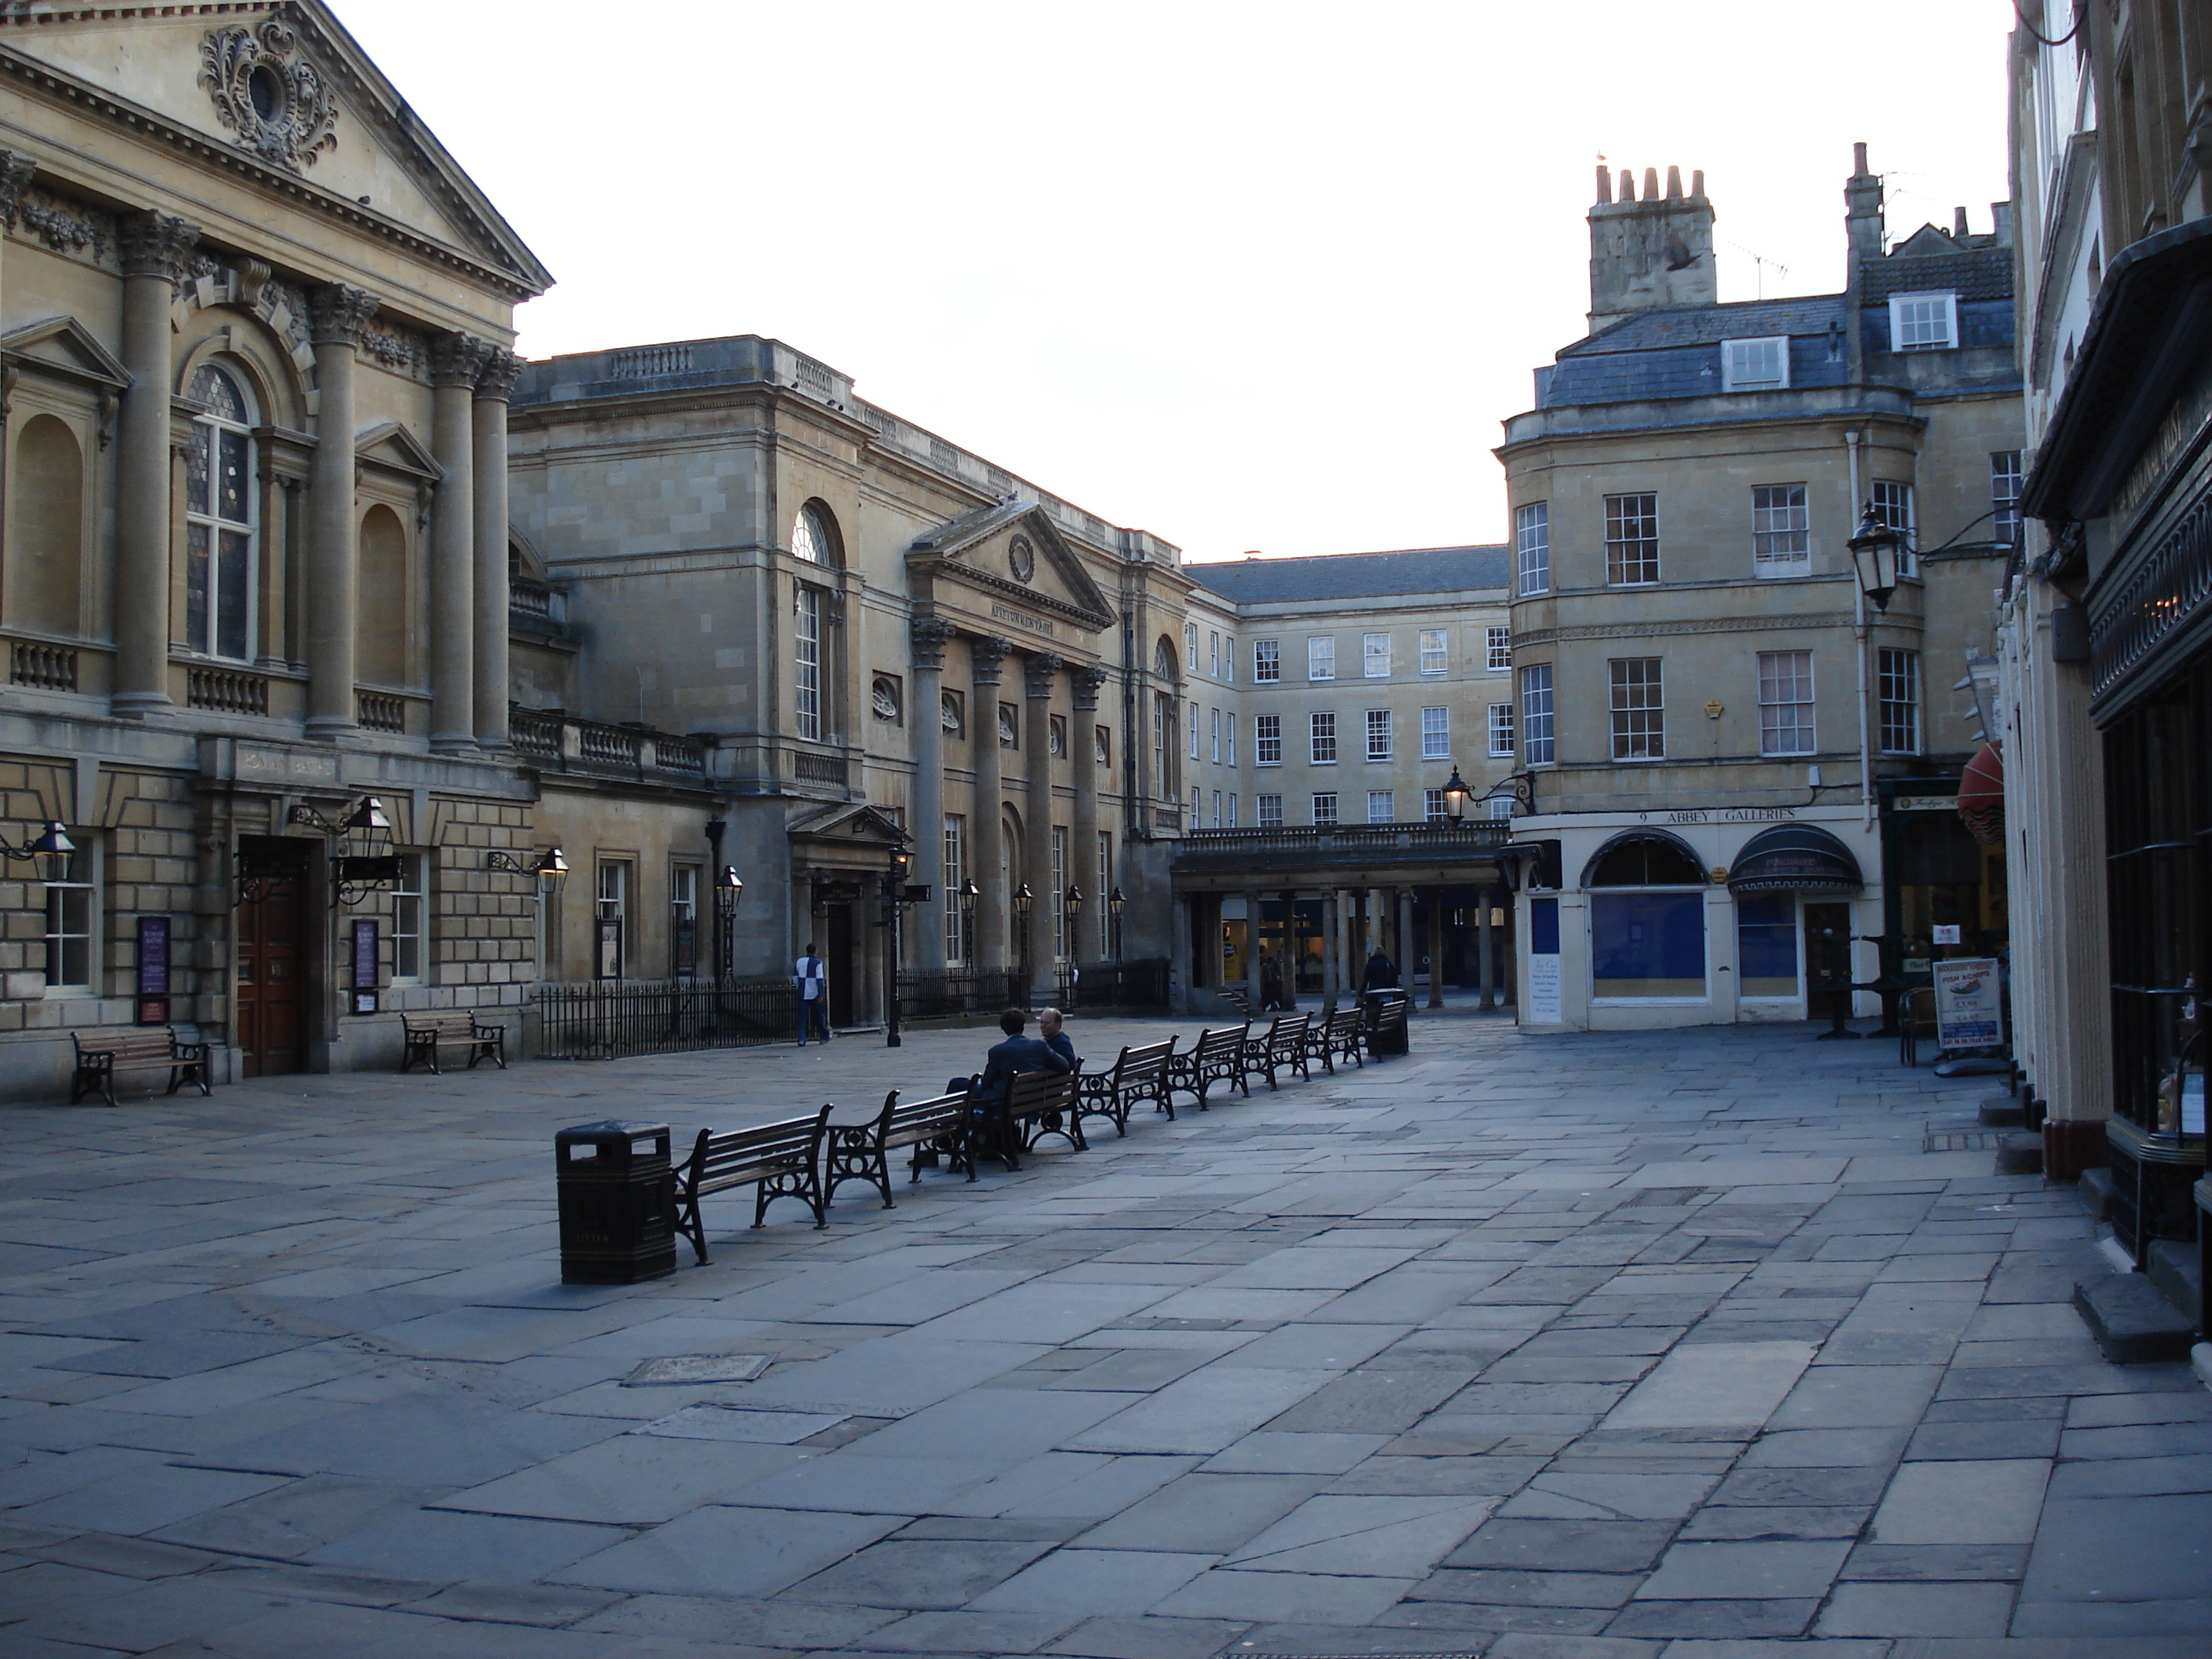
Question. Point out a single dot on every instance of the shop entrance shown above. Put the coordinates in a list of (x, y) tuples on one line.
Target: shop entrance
[(838, 954), (1827, 959), (272, 997)]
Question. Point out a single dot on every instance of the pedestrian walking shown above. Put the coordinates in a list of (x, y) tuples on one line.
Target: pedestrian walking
[(809, 976)]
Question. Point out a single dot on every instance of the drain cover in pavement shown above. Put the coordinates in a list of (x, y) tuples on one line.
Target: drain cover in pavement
[(697, 1368), (734, 1423)]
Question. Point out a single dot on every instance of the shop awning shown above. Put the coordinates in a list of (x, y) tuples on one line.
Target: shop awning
[(1795, 858), (1981, 795)]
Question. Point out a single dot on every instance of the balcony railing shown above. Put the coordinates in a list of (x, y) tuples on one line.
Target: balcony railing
[(44, 667), (537, 607), (1279, 847), (223, 691), (558, 742), (378, 711)]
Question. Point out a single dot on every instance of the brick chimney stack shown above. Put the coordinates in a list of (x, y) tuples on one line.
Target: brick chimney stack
[(1648, 254)]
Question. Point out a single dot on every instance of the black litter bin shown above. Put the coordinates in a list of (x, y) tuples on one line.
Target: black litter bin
[(1383, 1020), (617, 1203)]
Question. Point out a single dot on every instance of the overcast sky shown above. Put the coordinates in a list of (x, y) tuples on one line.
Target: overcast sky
[(1249, 276)]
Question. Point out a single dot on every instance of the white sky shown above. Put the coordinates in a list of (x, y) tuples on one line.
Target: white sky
[(1249, 276)]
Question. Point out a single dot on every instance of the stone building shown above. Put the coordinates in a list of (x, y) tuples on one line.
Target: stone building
[(1741, 772), (254, 359), (786, 632), (2106, 643)]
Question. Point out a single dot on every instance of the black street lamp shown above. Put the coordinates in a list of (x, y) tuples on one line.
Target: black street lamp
[(1875, 552), (1115, 901), (1456, 795), (553, 863), (50, 851), (728, 889), (1023, 900), (1071, 905), (355, 875), (970, 892)]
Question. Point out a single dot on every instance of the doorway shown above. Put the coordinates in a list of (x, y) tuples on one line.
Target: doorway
[(838, 956), (272, 956), (1827, 960)]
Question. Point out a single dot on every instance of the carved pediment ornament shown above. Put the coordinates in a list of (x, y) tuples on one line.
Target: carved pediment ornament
[(268, 94), (339, 313)]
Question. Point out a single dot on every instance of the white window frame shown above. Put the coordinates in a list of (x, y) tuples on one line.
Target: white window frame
[(80, 883), (1532, 536), (1435, 658), (1382, 734), (1267, 812), (1498, 650), (1194, 730), (2006, 482), (1761, 364), (1932, 319), (1212, 654), (1321, 657), (683, 908), (1060, 882), (1381, 807), (1190, 645), (1267, 662), (1375, 656), (1433, 809), (1229, 731), (1320, 738), (1213, 720), (1436, 734), (1267, 739), (412, 891), (1217, 809), (1320, 815), (611, 903), (1780, 531), (1539, 715), (1786, 703), (1641, 568), (1637, 699), (1897, 691), (1501, 731), (1232, 809), (1895, 505), (806, 661)]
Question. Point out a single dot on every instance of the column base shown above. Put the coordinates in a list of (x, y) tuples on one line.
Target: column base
[(2071, 1145), (331, 728), (137, 705), (453, 742)]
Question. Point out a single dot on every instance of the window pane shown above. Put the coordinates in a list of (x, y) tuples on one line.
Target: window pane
[(1270, 812), (1321, 659), (1785, 702), (1433, 659), (1267, 739), (1379, 807), (1631, 538), (1375, 656), (1378, 734), (1501, 731), (806, 653), (1267, 665), (1767, 945), (231, 483), (1532, 527), (1436, 734), (1498, 642), (1639, 728), (199, 576), (1536, 714), (197, 468), (1324, 809), (234, 588), (1647, 944), (1780, 531), (1433, 809), (2004, 495), (1898, 677), (1321, 735)]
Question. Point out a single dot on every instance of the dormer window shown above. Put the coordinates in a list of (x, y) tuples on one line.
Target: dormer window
[(1923, 322), (1755, 365)]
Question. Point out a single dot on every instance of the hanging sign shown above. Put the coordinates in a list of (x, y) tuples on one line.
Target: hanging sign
[(364, 965), (1969, 1010), (153, 970)]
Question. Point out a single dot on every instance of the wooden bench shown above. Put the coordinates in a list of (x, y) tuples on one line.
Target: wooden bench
[(1042, 1104), (101, 1056), (457, 1026), (858, 1151), (1385, 1023), (1219, 1057), (1138, 1073), (783, 1160), (1283, 1048), (1337, 1037)]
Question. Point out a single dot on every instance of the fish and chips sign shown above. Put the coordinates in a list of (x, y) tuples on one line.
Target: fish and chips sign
[(1969, 1013)]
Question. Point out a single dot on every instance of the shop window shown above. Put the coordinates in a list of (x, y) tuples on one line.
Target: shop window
[(1767, 945), (1646, 942)]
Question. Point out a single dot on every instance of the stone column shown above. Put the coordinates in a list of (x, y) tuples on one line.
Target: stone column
[(987, 657), (926, 722), (1038, 672), (1290, 950), (1487, 968), (1331, 968), (333, 527), (1252, 993), (1435, 947), (493, 686), (1406, 951), (154, 248), (456, 361), (1084, 772)]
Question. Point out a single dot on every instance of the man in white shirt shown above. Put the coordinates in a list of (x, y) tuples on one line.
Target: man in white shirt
[(810, 974)]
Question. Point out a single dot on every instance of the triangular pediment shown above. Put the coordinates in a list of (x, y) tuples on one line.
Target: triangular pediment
[(65, 346), (854, 823), (1013, 551), (281, 87), (395, 448)]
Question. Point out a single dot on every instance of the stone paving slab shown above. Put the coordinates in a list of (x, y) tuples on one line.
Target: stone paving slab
[(1663, 1346)]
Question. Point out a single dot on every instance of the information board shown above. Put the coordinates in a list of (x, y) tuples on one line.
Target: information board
[(1969, 1004), (153, 970), (364, 965)]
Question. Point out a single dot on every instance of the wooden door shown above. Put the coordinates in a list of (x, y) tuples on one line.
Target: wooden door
[(1827, 959), (844, 970), (272, 957)]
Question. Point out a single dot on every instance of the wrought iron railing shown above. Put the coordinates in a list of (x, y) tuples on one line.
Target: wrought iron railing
[(980, 992), (46, 667), (606, 1019), (1142, 984), (226, 692)]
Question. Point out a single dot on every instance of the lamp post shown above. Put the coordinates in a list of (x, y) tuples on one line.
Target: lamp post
[(970, 892), (1875, 551), (1456, 796), (1023, 900), (50, 851), (895, 899), (1115, 901), (728, 889), (1071, 908)]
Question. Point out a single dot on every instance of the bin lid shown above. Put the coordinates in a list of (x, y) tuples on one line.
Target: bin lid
[(612, 1130)]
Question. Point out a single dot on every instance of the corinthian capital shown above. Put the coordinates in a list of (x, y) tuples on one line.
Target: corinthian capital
[(501, 369), (155, 245), (1039, 670), (338, 313), (987, 652), (457, 360), (929, 635), (1089, 681)]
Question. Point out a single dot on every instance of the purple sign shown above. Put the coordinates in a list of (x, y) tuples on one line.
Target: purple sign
[(364, 954), (153, 956)]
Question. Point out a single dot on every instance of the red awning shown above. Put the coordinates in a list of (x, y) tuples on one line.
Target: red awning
[(1981, 795)]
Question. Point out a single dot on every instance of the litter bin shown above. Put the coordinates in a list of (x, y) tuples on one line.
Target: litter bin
[(618, 1195), (1383, 1020)]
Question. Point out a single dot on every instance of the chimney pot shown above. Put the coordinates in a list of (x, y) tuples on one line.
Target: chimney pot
[(1628, 186), (1674, 184), (1959, 222), (1859, 159), (1651, 183), (1604, 183), (1698, 184)]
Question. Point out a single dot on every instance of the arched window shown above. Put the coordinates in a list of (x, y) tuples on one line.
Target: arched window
[(1647, 911), (1644, 860), (221, 527), (812, 536)]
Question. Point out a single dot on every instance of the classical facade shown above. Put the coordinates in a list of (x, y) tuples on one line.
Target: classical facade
[(1742, 774), (254, 359), (833, 639)]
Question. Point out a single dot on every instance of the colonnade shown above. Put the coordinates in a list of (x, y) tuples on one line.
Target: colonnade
[(991, 719), (1354, 922), (473, 380)]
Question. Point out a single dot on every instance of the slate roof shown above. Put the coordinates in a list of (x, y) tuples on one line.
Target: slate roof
[(1408, 571), (1743, 320), (1976, 274)]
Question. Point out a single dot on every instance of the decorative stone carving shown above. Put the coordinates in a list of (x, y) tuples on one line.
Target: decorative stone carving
[(155, 245), (268, 94), (253, 282), (987, 652), (283, 305), (17, 172), (929, 635), (457, 360), (1009, 728), (64, 225), (340, 314), (885, 698), (950, 715), (1089, 681), (500, 371), (1021, 558), (1038, 672), (395, 349)]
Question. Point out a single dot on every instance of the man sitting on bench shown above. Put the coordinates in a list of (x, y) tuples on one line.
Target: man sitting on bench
[(1002, 1065)]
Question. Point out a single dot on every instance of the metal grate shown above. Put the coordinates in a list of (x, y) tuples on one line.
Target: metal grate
[(1959, 1137)]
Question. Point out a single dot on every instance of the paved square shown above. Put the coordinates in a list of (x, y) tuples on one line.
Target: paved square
[(1673, 1346)]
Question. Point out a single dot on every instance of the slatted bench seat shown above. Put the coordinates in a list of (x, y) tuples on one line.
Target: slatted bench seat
[(453, 1030), (1219, 1057), (1282, 1048), (1138, 1073), (860, 1152), (1337, 1037), (782, 1160), (101, 1056), (1042, 1104)]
